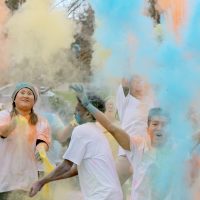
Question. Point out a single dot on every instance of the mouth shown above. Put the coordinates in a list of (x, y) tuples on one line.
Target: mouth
[(25, 100), (159, 135)]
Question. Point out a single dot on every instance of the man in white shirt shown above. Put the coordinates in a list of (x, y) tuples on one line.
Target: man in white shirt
[(90, 151), (134, 99), (143, 150)]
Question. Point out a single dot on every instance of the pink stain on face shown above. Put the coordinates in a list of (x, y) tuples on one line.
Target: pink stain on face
[(4, 16)]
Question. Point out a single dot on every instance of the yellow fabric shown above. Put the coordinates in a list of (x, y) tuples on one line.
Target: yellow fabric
[(113, 143), (47, 192)]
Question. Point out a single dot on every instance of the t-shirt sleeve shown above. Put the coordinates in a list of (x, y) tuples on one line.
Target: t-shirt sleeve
[(136, 143), (43, 131), (77, 147), (120, 98), (4, 118)]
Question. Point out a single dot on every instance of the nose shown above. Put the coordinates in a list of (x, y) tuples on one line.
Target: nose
[(25, 95), (159, 127)]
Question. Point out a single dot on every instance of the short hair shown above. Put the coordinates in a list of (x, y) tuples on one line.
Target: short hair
[(157, 111), (96, 101)]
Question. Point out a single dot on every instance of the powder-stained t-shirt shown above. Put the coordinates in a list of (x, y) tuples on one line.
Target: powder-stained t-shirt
[(18, 163), (90, 150), (147, 165), (133, 113)]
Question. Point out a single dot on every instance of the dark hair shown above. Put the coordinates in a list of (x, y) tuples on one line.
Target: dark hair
[(157, 112), (33, 116), (96, 101)]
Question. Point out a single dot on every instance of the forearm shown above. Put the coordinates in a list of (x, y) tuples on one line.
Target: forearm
[(119, 134), (58, 173), (71, 173)]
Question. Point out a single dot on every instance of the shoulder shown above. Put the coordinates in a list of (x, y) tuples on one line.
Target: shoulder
[(42, 119), (42, 122), (84, 130), (138, 139), (138, 142)]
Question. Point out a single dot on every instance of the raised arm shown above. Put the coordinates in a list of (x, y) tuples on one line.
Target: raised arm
[(126, 86), (119, 134)]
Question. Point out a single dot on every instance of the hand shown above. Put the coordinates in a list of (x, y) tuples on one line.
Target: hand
[(37, 156), (35, 188), (125, 82), (80, 93), (40, 152)]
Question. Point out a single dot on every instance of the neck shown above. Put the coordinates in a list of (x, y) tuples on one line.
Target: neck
[(23, 112), (137, 94), (89, 120)]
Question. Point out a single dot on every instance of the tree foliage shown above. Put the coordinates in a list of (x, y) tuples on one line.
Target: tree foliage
[(14, 4)]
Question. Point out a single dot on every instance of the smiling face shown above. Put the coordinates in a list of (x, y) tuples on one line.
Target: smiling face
[(24, 99), (156, 130)]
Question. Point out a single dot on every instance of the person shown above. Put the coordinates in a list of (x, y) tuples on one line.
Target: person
[(133, 101), (142, 150), (89, 150), (23, 134), (111, 110)]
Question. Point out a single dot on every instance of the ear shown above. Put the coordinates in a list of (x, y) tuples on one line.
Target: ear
[(88, 113)]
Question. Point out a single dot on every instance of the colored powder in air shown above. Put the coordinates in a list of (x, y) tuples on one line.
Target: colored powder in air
[(173, 69), (176, 12), (4, 16)]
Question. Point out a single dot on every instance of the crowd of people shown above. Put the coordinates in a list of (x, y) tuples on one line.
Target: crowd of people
[(112, 156)]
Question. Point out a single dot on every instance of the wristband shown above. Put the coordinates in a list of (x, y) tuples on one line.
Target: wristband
[(92, 109)]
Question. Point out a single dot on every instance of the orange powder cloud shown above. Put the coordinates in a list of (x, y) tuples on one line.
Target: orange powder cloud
[(176, 12)]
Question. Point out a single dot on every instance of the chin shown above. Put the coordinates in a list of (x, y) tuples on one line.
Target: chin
[(25, 107)]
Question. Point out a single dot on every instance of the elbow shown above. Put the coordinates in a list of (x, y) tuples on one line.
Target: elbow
[(126, 144), (4, 134), (126, 147)]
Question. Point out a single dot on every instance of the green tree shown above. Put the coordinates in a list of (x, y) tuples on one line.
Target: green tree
[(14, 4)]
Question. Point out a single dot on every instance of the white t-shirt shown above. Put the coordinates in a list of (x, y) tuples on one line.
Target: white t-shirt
[(18, 168), (143, 157), (133, 113), (90, 150)]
